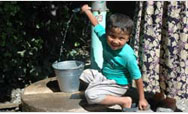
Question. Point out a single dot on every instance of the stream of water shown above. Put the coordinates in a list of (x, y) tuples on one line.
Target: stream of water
[(64, 37), (64, 33)]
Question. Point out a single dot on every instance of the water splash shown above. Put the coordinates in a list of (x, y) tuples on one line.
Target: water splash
[(64, 37)]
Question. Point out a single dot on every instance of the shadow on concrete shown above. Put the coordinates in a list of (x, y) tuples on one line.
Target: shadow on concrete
[(53, 85), (91, 108), (132, 92), (96, 107)]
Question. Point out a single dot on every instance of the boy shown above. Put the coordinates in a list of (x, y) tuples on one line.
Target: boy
[(119, 67)]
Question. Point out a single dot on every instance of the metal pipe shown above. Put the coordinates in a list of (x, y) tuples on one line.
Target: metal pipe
[(99, 10)]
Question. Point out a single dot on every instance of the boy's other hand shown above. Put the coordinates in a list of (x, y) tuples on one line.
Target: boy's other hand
[(143, 104)]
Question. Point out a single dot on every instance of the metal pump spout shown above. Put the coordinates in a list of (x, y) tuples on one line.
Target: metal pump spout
[(99, 6)]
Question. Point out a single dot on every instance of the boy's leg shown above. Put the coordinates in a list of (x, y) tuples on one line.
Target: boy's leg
[(102, 90), (107, 92), (124, 102), (88, 76)]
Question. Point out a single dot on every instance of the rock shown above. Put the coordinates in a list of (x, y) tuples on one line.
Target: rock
[(16, 95), (161, 109), (8, 105)]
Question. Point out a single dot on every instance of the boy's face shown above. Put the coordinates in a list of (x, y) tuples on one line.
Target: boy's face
[(116, 38)]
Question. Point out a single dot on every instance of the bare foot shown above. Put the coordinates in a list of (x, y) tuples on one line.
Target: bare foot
[(127, 102)]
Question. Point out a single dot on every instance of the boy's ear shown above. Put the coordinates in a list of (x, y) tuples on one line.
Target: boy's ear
[(129, 37)]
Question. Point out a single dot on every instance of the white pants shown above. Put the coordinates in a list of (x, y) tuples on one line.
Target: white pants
[(99, 86)]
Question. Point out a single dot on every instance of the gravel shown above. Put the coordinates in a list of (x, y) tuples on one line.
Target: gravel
[(15, 101), (16, 95)]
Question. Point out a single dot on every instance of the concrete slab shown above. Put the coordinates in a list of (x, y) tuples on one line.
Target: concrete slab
[(45, 96), (40, 87), (49, 102)]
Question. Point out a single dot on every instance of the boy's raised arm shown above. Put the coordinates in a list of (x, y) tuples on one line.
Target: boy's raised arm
[(87, 10)]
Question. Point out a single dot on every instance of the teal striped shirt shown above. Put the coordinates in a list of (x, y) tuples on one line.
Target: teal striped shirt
[(119, 65)]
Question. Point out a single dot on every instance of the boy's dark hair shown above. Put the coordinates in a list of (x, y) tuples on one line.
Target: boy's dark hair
[(120, 21)]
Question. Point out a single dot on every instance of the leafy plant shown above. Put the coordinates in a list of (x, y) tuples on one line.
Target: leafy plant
[(31, 38)]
